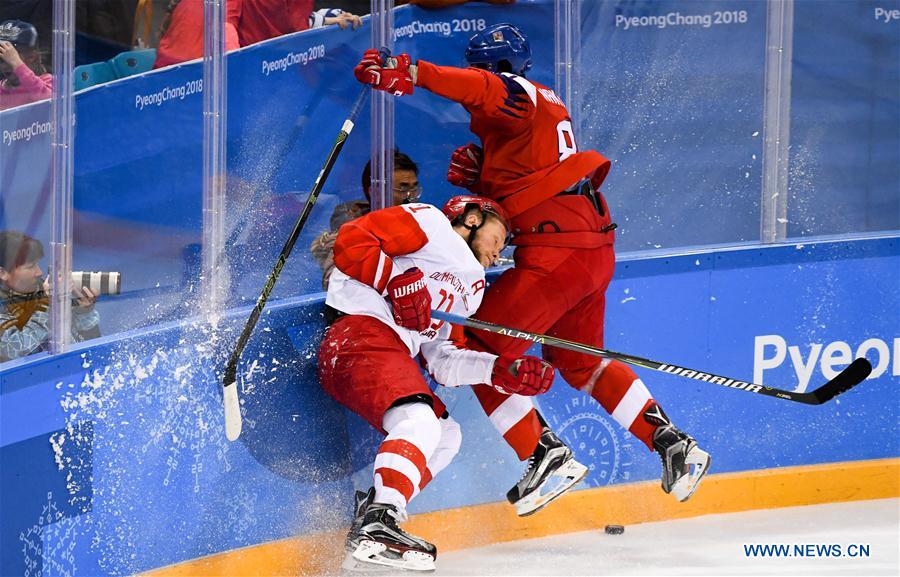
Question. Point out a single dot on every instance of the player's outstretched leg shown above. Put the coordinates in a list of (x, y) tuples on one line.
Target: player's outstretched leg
[(552, 470), (618, 390), (378, 540), (684, 463)]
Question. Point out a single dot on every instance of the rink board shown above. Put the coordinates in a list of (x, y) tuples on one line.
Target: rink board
[(115, 461)]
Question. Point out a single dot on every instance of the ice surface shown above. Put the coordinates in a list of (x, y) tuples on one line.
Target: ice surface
[(709, 545)]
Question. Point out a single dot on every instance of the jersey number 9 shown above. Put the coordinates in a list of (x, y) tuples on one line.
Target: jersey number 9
[(567, 146)]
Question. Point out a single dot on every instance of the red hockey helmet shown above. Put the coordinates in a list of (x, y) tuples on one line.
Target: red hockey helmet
[(456, 207)]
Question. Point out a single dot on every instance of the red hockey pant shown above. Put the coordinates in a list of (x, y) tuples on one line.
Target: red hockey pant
[(560, 292), (365, 366)]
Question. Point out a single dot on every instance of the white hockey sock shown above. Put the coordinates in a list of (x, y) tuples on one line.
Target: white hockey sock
[(413, 435), (447, 448)]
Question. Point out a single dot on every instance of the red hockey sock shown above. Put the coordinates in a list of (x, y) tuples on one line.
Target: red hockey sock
[(618, 390), (514, 418)]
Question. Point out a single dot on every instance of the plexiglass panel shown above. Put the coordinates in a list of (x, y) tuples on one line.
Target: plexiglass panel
[(288, 98), (672, 93), (845, 118), (26, 188), (138, 184)]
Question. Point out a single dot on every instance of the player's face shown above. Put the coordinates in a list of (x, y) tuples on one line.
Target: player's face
[(23, 279), (489, 241)]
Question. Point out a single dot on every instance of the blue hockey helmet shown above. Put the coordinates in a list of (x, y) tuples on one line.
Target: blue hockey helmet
[(20, 33), (500, 43)]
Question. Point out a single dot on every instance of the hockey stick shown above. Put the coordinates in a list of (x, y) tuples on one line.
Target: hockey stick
[(230, 395), (854, 374)]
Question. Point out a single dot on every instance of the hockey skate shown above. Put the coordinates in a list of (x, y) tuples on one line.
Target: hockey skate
[(376, 540), (363, 500), (552, 470), (684, 463)]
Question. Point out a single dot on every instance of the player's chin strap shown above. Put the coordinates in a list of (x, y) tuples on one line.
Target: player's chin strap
[(472, 228)]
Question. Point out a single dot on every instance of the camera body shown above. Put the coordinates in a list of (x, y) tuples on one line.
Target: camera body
[(104, 283)]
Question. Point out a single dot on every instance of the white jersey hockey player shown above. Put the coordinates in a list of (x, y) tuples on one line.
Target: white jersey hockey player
[(392, 267)]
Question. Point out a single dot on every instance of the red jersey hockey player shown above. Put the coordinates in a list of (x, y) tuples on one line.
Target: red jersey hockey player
[(564, 258), (392, 267)]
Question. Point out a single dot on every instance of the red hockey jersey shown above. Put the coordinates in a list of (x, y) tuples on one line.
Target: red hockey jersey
[(530, 153)]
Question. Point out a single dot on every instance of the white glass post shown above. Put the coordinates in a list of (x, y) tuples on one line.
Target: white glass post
[(62, 175), (382, 156), (777, 120), (567, 56), (215, 272)]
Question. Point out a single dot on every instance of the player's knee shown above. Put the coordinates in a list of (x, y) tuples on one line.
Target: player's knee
[(598, 375), (451, 435), (578, 377), (414, 421)]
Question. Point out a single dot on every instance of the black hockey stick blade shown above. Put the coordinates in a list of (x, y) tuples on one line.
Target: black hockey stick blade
[(853, 375)]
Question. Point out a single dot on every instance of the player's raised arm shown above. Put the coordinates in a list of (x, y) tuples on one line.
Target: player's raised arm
[(504, 97), (364, 246)]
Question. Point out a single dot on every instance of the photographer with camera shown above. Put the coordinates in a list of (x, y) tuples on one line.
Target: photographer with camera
[(25, 300), (23, 77)]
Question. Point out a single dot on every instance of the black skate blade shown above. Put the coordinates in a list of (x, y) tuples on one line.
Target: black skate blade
[(853, 375)]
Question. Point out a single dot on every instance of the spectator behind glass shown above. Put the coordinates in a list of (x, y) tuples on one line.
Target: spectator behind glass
[(25, 301), (433, 4), (104, 27), (246, 22), (364, 6), (23, 78), (38, 13), (406, 189)]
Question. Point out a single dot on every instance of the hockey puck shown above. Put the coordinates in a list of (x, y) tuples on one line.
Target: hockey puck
[(615, 529)]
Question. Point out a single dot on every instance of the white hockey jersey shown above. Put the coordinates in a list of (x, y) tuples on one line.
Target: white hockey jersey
[(371, 250)]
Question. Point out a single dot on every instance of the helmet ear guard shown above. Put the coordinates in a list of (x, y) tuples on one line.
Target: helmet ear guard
[(456, 208)]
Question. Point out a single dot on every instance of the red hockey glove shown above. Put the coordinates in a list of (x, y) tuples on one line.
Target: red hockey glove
[(392, 76), (410, 300), (526, 376), (465, 165), (371, 59)]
